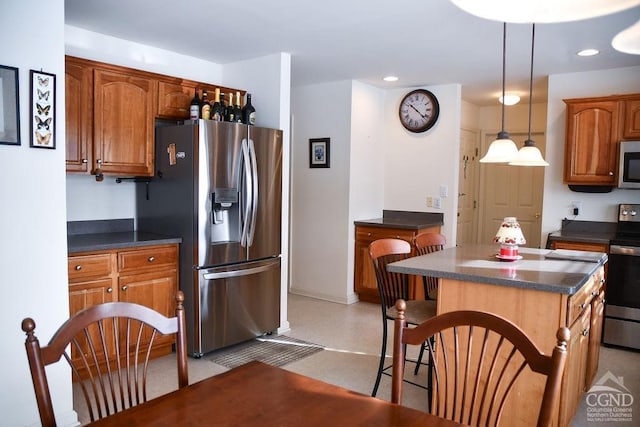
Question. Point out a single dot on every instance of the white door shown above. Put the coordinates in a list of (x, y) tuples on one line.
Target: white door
[(468, 187), (512, 191)]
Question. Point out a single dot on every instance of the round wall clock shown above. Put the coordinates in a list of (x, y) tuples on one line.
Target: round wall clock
[(419, 110)]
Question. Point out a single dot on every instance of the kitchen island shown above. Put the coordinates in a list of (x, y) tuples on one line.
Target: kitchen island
[(537, 293)]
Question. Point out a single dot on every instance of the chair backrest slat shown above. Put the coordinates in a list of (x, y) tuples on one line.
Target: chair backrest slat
[(391, 286), (427, 243), (472, 381), (108, 347)]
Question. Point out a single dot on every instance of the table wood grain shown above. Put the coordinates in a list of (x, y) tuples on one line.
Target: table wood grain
[(257, 394)]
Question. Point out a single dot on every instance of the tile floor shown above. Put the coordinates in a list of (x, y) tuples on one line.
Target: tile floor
[(351, 356)]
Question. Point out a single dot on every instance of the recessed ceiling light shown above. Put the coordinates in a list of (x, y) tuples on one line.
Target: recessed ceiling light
[(390, 79), (588, 52), (509, 99)]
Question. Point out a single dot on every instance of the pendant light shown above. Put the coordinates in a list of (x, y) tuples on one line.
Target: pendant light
[(628, 41), (543, 11), (502, 149), (529, 154)]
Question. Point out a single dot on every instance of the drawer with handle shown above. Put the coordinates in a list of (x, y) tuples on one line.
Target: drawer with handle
[(83, 266), (147, 258)]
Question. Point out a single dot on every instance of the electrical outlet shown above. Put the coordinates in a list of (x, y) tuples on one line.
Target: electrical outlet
[(576, 207), (437, 202), (429, 202)]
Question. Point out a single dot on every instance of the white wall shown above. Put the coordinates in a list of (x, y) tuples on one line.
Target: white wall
[(557, 196), (416, 165), (320, 196), (33, 246)]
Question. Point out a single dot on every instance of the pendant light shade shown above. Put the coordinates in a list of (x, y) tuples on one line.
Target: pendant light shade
[(502, 149), (543, 11), (529, 154), (628, 41)]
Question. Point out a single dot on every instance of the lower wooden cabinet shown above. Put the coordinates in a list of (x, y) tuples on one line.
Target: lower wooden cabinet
[(364, 280), (146, 276)]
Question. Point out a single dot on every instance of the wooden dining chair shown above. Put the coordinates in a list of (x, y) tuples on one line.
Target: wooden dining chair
[(108, 347), (476, 359), (391, 287), (426, 243)]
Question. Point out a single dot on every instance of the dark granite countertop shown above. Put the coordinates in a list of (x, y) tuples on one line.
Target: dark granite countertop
[(404, 219), (478, 263), (584, 232), (85, 236), (121, 240)]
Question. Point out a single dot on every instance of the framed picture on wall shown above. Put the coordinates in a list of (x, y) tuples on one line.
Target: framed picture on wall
[(43, 109), (319, 153), (9, 106)]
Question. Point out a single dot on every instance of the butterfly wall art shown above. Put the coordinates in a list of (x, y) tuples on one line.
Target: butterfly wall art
[(43, 108)]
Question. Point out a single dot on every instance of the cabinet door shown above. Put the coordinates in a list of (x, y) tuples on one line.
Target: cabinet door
[(86, 294), (573, 380), (78, 116), (591, 146), (124, 115), (174, 100), (631, 119), (156, 290), (595, 338)]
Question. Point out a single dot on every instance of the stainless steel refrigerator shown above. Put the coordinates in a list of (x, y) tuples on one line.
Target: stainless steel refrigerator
[(218, 186)]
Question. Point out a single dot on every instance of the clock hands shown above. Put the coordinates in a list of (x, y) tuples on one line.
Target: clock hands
[(424, 116)]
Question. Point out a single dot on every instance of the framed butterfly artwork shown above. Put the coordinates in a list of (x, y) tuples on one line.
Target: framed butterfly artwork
[(9, 106), (43, 109)]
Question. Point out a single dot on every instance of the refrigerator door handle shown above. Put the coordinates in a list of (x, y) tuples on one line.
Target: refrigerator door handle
[(237, 273), (248, 197), (254, 182)]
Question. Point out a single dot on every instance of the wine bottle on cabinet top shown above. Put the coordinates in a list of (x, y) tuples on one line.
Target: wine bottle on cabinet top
[(216, 109), (230, 109), (237, 111), (249, 112), (205, 111), (194, 108)]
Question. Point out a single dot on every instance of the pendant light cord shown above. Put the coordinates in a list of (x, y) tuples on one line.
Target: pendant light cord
[(504, 66), (533, 34)]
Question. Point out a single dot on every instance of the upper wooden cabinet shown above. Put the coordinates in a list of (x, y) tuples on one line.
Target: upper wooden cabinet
[(111, 112), (124, 115), (79, 116), (594, 129), (631, 118)]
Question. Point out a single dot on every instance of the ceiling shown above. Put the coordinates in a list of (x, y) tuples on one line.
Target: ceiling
[(423, 42)]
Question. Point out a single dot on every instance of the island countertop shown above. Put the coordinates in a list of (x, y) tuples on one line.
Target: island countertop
[(478, 263)]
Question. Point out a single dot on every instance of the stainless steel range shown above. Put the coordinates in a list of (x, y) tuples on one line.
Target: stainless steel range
[(622, 311)]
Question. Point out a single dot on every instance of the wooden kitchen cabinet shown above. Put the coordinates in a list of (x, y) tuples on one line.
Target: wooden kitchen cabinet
[(364, 280), (124, 120), (631, 118), (591, 142), (594, 128), (78, 116), (573, 380), (595, 336), (175, 95), (146, 276)]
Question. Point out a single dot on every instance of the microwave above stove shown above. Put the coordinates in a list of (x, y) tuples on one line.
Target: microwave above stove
[(629, 172)]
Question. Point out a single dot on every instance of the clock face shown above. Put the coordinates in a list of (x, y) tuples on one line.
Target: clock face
[(419, 110)]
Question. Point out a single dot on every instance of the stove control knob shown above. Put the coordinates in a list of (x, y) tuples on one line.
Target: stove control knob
[(625, 213), (633, 213)]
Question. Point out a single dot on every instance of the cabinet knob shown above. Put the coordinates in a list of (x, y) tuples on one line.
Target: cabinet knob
[(583, 305), (151, 259), (368, 234), (602, 280), (109, 290), (85, 161), (585, 332), (125, 287), (78, 267), (610, 173)]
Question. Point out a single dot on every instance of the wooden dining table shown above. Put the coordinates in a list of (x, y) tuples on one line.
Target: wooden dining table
[(257, 394)]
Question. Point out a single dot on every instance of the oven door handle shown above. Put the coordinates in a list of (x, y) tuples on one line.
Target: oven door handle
[(624, 250)]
